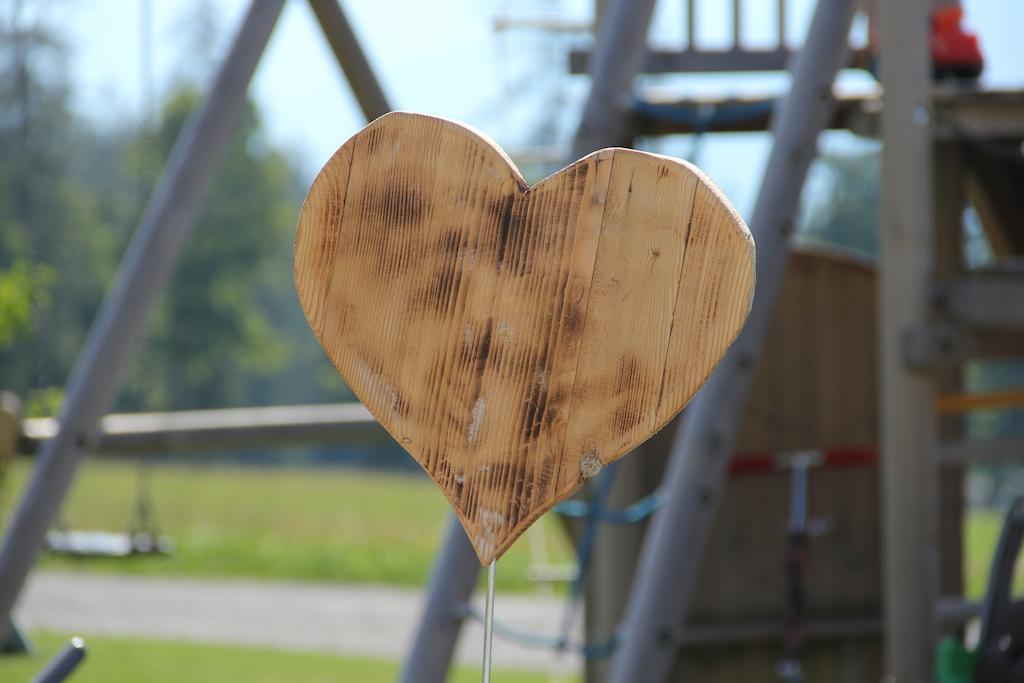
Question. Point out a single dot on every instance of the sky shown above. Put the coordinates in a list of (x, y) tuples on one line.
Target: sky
[(443, 58)]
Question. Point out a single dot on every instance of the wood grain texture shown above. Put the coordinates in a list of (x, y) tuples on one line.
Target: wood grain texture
[(516, 339)]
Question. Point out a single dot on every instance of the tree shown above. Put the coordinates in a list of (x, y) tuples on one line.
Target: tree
[(228, 330), (50, 275), (847, 214)]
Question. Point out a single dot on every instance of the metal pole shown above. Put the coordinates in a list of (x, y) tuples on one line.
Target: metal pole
[(619, 53), (146, 266), (909, 429), (351, 58), (674, 546), (489, 622), (451, 584), (64, 663)]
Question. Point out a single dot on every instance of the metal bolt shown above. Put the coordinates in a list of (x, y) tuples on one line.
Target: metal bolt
[(922, 116)]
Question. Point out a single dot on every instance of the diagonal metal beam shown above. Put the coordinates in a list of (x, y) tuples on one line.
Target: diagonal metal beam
[(451, 585), (147, 264), (351, 58), (672, 551)]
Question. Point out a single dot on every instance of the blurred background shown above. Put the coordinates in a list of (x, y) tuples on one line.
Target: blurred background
[(92, 96)]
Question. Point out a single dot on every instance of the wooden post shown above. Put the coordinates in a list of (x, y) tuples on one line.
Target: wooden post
[(909, 483), (949, 200), (351, 58)]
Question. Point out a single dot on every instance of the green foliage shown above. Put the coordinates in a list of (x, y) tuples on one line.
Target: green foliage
[(981, 535), (227, 331), (50, 228), (43, 402), (845, 212), (129, 660), (21, 285)]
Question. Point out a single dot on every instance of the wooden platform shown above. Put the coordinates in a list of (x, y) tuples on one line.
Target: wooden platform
[(960, 110)]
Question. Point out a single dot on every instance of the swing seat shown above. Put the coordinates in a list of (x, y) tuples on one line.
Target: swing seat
[(94, 543)]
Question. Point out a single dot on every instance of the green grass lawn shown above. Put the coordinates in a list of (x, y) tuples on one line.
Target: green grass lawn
[(117, 660), (980, 537), (301, 524), (322, 524)]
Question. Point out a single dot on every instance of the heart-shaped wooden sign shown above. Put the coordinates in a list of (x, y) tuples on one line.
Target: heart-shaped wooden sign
[(516, 339)]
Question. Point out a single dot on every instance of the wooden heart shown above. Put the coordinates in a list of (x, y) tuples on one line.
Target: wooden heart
[(516, 339)]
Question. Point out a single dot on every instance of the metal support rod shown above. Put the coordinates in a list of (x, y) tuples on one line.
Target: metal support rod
[(908, 419), (790, 668), (620, 51), (451, 585), (780, 19), (737, 24), (675, 543), (147, 264), (691, 25), (64, 663), (351, 58), (489, 622)]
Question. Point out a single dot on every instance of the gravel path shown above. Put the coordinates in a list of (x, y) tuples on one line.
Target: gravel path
[(370, 620)]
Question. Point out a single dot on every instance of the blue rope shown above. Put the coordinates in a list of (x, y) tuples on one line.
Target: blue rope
[(594, 516), (593, 652), (517, 635), (590, 651), (594, 513), (632, 514)]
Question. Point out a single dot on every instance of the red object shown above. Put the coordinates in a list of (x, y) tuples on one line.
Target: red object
[(955, 52), (759, 463)]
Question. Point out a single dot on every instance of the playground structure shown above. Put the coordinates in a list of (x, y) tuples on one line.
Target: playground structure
[(699, 582)]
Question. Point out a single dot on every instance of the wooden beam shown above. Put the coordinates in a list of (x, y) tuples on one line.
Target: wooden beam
[(992, 300), (859, 112), (909, 481), (952, 612), (948, 202), (691, 60), (991, 114), (713, 61), (981, 451), (206, 430), (752, 113), (351, 58)]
